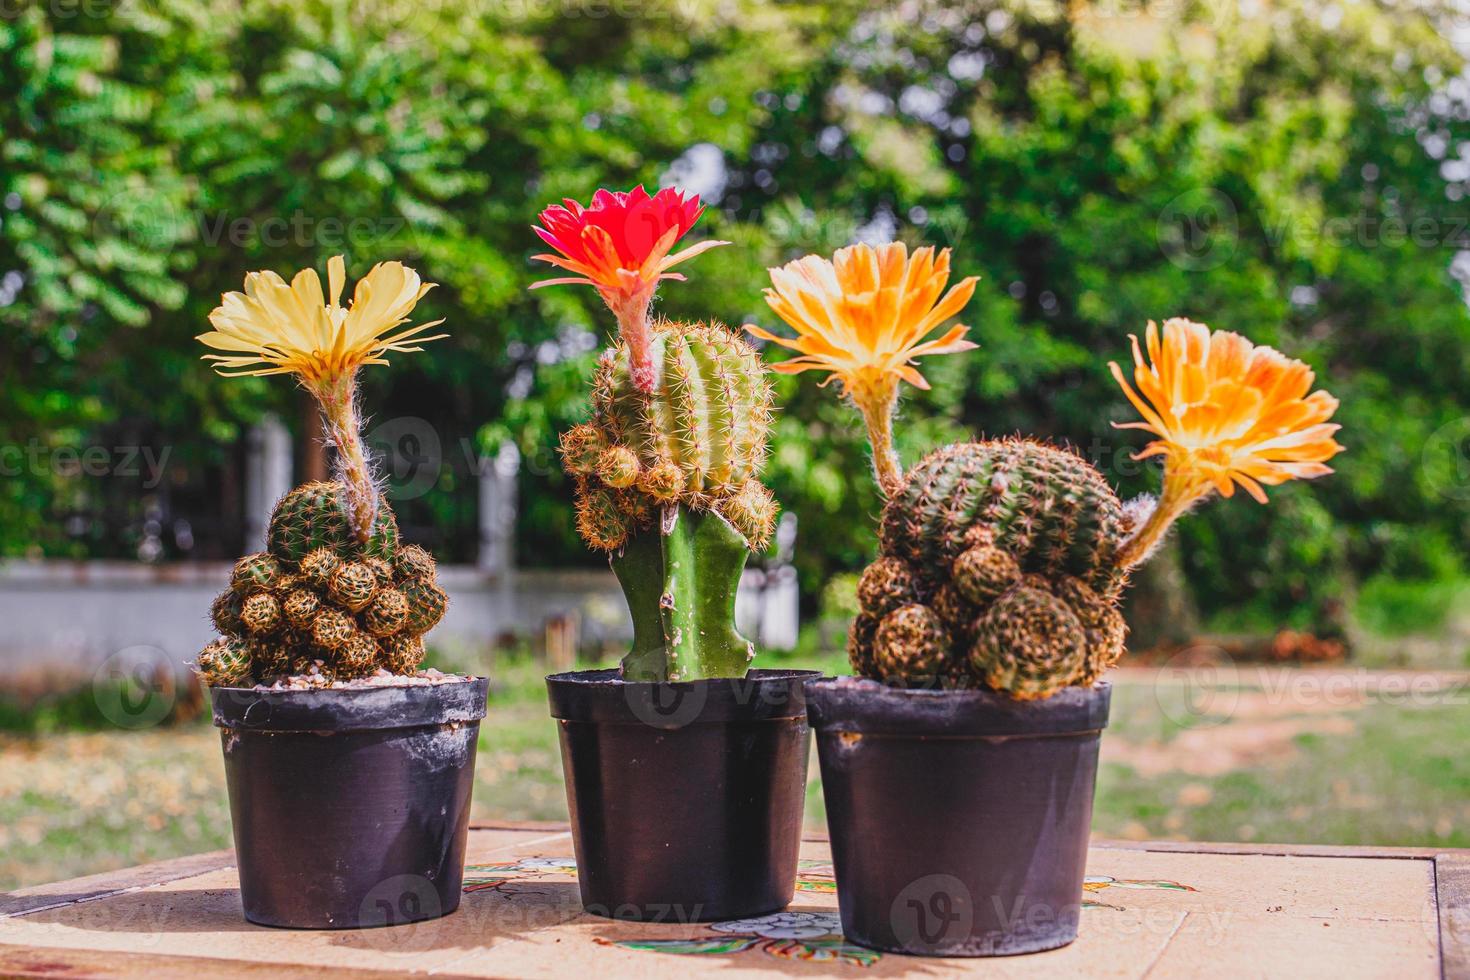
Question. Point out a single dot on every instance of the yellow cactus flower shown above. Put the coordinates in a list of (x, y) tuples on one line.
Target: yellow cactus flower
[(279, 328)]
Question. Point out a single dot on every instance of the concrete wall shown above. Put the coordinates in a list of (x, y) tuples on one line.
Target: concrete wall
[(80, 616)]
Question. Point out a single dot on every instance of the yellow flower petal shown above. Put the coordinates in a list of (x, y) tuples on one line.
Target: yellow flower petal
[(279, 328)]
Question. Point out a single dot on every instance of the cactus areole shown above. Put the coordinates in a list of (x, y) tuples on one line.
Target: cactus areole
[(667, 482)]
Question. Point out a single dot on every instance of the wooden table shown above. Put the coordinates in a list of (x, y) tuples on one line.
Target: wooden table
[(1151, 909)]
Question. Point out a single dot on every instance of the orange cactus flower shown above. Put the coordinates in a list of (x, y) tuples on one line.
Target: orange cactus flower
[(863, 316), (1226, 413), (621, 245)]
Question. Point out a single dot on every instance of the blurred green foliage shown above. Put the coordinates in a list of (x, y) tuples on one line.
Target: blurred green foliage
[(1296, 176)]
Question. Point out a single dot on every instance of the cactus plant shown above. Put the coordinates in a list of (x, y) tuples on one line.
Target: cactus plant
[(335, 587), (668, 483), (1009, 546), (332, 606), (667, 471), (1001, 562)]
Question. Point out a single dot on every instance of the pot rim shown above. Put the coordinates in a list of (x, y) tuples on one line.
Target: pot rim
[(602, 697), (851, 704), (351, 709)]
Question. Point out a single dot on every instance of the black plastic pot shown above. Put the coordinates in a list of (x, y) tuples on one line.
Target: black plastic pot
[(685, 798), (958, 819), (350, 807)]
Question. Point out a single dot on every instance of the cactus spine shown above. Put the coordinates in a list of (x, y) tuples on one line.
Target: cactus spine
[(321, 595), (667, 481), (997, 567)]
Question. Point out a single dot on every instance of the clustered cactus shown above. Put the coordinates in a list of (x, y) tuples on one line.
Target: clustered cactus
[(335, 593), (697, 439), (1001, 562), (997, 567), (321, 598)]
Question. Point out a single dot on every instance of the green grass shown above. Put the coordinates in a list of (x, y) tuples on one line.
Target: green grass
[(1399, 776), (74, 803)]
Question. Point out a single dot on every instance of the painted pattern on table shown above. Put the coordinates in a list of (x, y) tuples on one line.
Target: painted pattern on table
[(795, 934)]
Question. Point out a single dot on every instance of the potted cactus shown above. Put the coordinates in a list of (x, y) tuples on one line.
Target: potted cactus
[(349, 769), (959, 765), (685, 768)]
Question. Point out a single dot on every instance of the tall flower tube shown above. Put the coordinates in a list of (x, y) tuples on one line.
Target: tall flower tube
[(275, 327)]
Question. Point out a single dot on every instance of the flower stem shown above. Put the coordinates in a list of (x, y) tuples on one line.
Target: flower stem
[(876, 401), (1180, 494), (337, 396), (630, 307)]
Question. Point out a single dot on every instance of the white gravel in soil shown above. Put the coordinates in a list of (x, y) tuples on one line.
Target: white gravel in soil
[(314, 678)]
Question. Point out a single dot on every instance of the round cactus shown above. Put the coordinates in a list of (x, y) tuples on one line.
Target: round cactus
[(318, 565), (387, 613), (225, 612), (317, 515), (1010, 545), (352, 585), (885, 585), (426, 605), (332, 628), (357, 657), (1047, 508), (402, 654), (260, 613), (1028, 644), (414, 563), (911, 645), (708, 417), (300, 607), (752, 510), (255, 571)]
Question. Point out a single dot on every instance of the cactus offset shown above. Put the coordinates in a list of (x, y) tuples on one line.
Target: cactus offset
[(322, 597), (997, 568)]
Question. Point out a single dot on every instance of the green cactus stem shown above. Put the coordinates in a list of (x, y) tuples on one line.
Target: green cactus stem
[(680, 579)]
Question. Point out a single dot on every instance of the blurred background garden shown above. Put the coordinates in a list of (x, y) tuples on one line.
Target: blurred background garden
[(1293, 170)]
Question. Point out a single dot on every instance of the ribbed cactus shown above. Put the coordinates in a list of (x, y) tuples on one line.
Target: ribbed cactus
[(698, 439), (319, 596), (317, 515), (668, 481), (997, 567)]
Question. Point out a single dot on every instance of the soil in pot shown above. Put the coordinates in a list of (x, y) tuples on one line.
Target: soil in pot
[(685, 798), (959, 820), (350, 806)]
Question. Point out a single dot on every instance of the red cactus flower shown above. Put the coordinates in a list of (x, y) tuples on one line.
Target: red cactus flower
[(621, 245)]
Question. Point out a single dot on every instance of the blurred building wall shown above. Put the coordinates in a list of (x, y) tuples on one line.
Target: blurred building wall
[(73, 617)]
